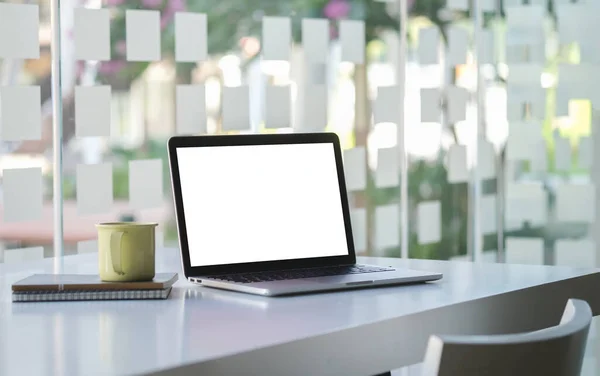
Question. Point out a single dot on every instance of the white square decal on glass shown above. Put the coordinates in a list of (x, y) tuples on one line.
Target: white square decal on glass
[(92, 111), (563, 97), (562, 153), (316, 74), (430, 105), (22, 194), (143, 35), (159, 238), (19, 31), (457, 164), (278, 107), (488, 5), (457, 4), (190, 37), (539, 159), (315, 108), (586, 153), (575, 78), (355, 169), (92, 34), (528, 17), (486, 47), (524, 77), (191, 109), (87, 246), (315, 39), (461, 258), (588, 52), (515, 108), (94, 188), (458, 40), (429, 226), (387, 227), (524, 251), (236, 108), (571, 19), (456, 99), (388, 168), (575, 253), (276, 38), (352, 37), (489, 257), (23, 254), (486, 160), (21, 110), (146, 184), (488, 214), (387, 106), (521, 137), (526, 202), (429, 44), (519, 97), (537, 103), (358, 217), (576, 203)]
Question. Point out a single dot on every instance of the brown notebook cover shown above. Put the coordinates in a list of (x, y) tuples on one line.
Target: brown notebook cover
[(73, 282)]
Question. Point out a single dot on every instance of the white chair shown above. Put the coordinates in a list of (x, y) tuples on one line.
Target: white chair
[(555, 351)]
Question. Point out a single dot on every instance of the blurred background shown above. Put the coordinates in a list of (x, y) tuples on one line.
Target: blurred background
[(469, 194)]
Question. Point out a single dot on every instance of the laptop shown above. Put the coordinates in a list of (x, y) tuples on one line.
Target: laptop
[(268, 215)]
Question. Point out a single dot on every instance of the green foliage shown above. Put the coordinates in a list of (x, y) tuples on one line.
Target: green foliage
[(230, 20), (427, 181), (429, 9), (121, 182), (69, 187)]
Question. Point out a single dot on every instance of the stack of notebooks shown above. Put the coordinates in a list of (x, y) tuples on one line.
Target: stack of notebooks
[(66, 287)]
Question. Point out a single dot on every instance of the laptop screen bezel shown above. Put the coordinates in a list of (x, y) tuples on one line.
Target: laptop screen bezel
[(258, 139)]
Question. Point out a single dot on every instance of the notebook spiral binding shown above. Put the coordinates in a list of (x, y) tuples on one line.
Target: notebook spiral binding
[(48, 296)]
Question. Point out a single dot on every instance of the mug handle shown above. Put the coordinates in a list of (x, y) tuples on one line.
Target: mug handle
[(116, 241)]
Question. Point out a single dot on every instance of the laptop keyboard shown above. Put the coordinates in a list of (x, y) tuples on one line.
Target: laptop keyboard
[(280, 275)]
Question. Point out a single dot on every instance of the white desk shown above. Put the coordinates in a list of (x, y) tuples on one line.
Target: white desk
[(203, 332)]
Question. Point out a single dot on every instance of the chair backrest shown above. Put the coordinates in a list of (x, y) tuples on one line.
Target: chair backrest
[(555, 351)]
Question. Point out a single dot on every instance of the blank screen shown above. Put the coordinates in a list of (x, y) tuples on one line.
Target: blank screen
[(255, 203)]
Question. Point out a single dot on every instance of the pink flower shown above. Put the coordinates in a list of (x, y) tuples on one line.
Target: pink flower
[(152, 3), (114, 2), (177, 5), (110, 68), (80, 68), (336, 9), (173, 6), (166, 18), (121, 47)]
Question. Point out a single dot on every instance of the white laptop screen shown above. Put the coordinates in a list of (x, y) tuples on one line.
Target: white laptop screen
[(256, 203)]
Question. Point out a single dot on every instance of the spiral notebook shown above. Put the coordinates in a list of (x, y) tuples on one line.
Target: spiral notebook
[(47, 296), (74, 287)]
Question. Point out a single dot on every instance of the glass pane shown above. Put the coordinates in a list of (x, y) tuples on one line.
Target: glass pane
[(26, 169), (162, 68), (550, 188)]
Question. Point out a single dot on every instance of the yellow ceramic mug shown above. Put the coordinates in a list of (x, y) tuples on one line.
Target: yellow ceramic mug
[(126, 251)]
